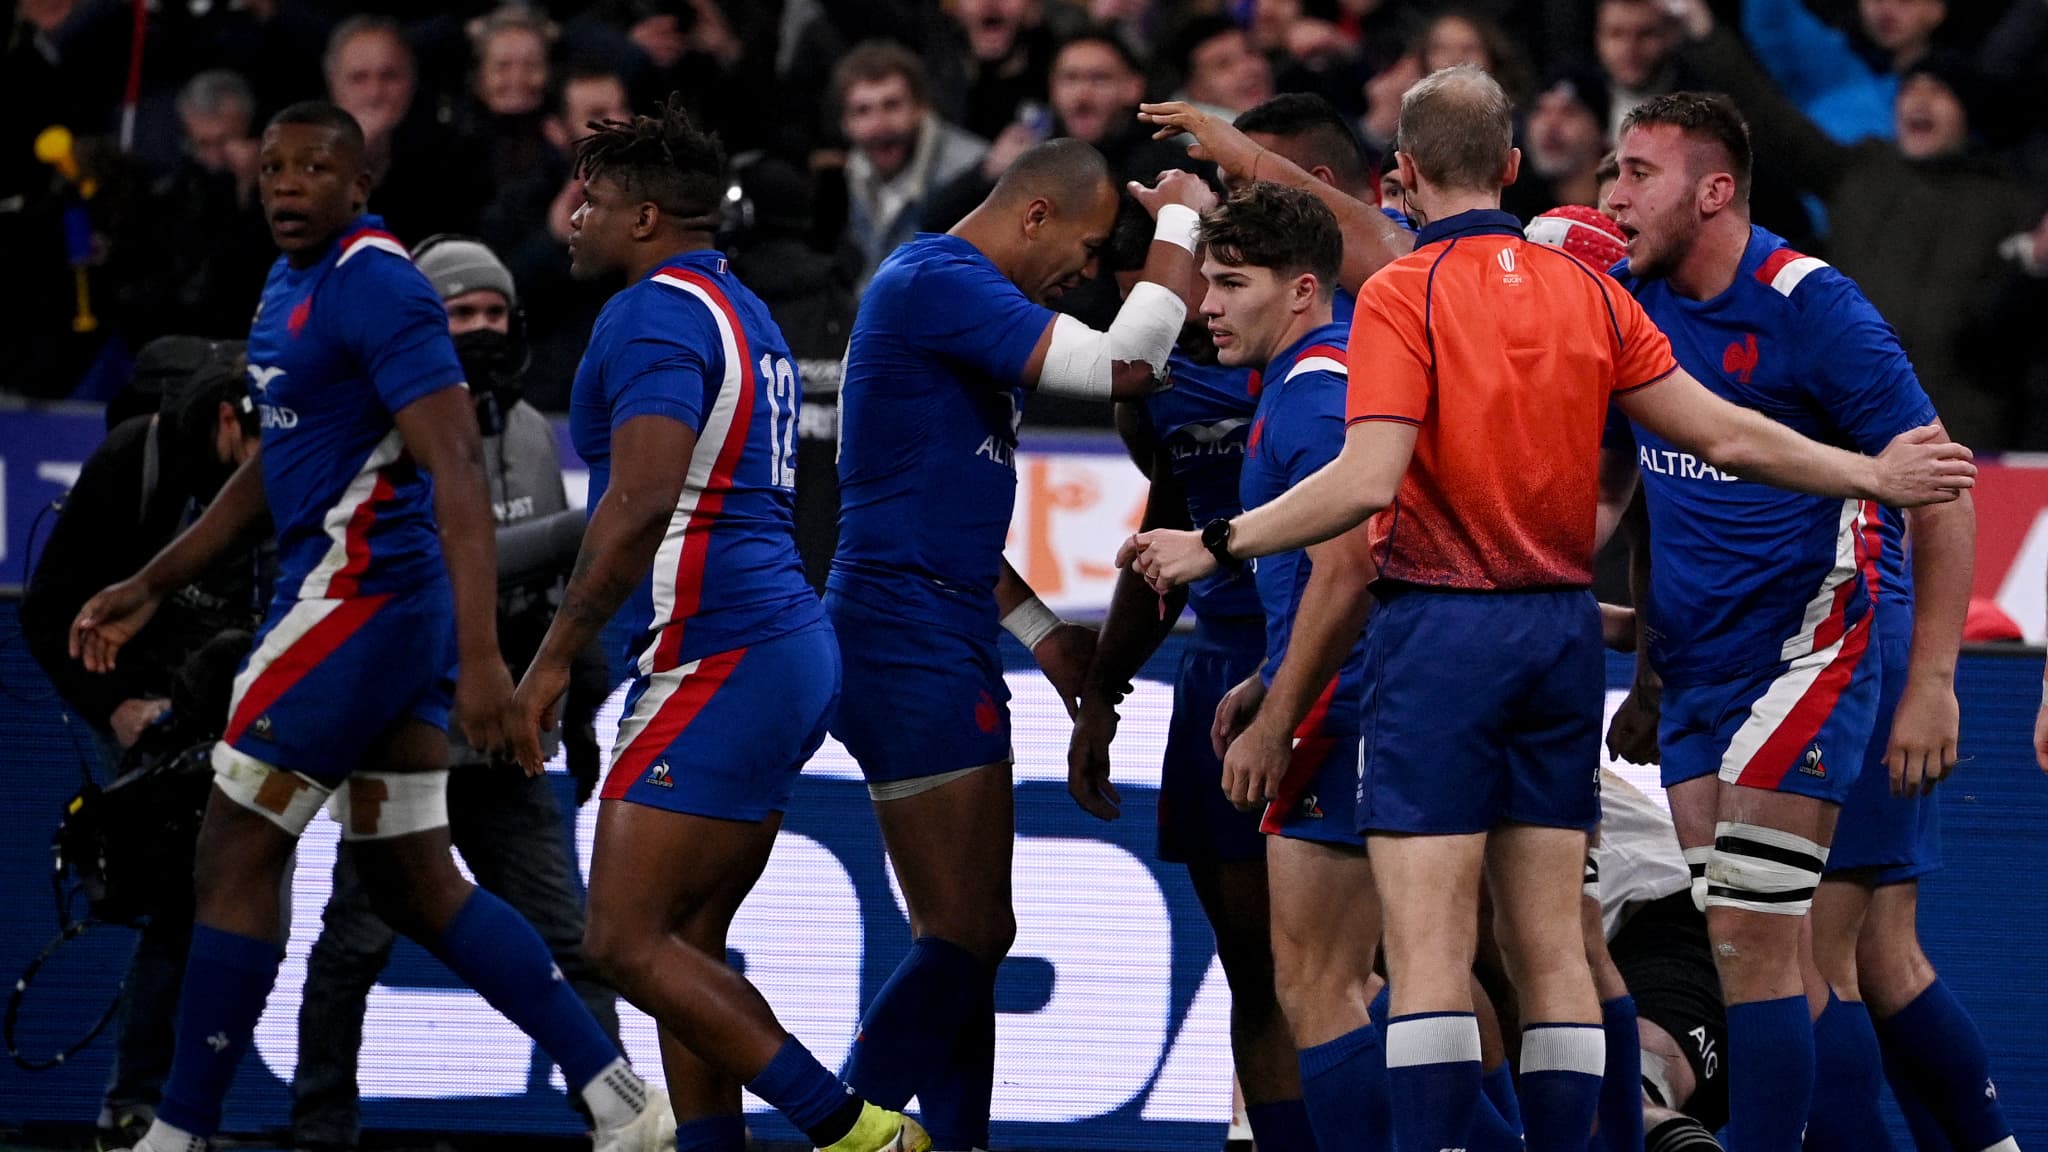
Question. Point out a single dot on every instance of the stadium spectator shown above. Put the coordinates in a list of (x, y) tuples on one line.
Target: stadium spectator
[(194, 261), (1221, 73), (1467, 36), (1821, 69), (508, 88), (428, 178), (1095, 88), (901, 151), (1007, 51), (528, 222), (1383, 102), (1951, 302), (1567, 135), (1635, 43)]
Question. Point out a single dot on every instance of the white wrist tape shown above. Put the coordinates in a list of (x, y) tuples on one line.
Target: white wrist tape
[(1078, 360), (1031, 622), (1177, 224)]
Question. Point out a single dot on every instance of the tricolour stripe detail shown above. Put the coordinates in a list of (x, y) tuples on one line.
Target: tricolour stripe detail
[(1826, 614), (1438, 1038), (1784, 269), (305, 635), (368, 239), (339, 573), (678, 575), (1785, 720), (1321, 358), (673, 699), (1311, 747), (1580, 1048)]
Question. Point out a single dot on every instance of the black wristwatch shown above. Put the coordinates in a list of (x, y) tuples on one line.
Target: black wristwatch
[(1216, 538)]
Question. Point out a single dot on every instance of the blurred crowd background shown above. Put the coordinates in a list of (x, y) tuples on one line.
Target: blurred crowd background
[(1906, 141)]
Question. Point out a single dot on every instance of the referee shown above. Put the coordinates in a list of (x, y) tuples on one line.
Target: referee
[(1481, 372)]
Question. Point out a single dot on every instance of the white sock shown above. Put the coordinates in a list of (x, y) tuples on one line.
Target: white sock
[(163, 1137), (614, 1097), (2006, 1145)]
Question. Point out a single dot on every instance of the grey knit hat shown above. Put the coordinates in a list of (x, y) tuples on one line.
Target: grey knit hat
[(458, 265)]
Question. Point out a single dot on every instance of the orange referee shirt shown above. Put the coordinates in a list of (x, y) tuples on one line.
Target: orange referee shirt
[(1504, 355)]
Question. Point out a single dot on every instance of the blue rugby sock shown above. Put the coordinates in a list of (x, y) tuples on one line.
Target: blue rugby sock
[(1846, 1071), (1433, 1071), (815, 1100), (1499, 1087), (1282, 1126), (907, 1036), (1562, 1066), (1936, 1046), (1920, 1119), (495, 951), (1770, 1074), (1621, 1086), (1344, 1091), (955, 1103), (227, 979)]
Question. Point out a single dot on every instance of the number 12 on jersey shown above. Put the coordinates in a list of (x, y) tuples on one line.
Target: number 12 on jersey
[(785, 401)]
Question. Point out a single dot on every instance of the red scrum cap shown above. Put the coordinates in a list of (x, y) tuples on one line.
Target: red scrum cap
[(1581, 231)]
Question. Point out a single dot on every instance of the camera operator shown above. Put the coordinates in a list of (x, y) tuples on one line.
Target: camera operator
[(150, 478), (507, 825)]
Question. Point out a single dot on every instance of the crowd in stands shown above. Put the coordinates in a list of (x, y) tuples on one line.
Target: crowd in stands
[(1906, 141)]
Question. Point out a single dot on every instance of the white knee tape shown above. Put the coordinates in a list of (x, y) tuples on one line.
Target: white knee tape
[(384, 805), (286, 799), (1762, 869), (1696, 862)]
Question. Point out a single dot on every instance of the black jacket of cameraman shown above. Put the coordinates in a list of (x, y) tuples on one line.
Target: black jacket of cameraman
[(149, 479)]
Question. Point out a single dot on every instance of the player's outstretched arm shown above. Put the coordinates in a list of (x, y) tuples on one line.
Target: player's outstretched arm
[(1341, 495), (440, 432), (1928, 721), (1922, 466), (1332, 613), (650, 456), (1632, 736), (1136, 624), (1371, 241), (1126, 361), (113, 617)]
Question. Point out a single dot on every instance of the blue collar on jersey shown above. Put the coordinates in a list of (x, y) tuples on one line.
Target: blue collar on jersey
[(1478, 222), (695, 256)]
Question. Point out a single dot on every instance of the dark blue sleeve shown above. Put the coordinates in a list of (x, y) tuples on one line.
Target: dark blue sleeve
[(665, 358), (390, 320), (1859, 373), (1310, 430), (1616, 435), (967, 312)]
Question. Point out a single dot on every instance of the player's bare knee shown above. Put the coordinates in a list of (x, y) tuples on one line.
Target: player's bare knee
[(620, 948)]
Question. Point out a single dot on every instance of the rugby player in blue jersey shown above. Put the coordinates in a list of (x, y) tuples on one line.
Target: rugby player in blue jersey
[(386, 614), (952, 333)]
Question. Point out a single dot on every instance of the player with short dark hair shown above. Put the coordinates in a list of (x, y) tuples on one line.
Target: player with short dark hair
[(1307, 130), (1775, 669), (371, 468), (686, 409), (1474, 428), (952, 333)]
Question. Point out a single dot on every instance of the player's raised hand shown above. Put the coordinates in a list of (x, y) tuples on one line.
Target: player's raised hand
[(1215, 138), (1235, 711), (1166, 557), (1064, 655), (1174, 187), (1923, 466), (1088, 759), (109, 620), (483, 706), (1255, 765), (533, 712), (1925, 728)]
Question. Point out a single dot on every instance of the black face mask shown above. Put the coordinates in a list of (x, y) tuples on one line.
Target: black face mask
[(492, 362)]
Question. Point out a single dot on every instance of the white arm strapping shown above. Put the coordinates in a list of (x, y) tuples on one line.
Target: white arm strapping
[(1078, 360)]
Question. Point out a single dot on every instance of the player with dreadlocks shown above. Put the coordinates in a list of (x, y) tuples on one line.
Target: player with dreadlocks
[(735, 667)]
